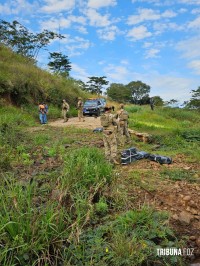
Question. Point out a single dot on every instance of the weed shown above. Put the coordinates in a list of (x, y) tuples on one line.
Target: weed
[(179, 174), (101, 207)]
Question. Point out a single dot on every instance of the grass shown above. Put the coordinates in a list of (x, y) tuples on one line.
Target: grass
[(62, 203), (176, 130)]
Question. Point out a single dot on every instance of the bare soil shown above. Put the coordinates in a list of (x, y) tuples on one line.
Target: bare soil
[(89, 123)]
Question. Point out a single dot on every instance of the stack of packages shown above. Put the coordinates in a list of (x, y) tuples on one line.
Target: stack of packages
[(132, 154)]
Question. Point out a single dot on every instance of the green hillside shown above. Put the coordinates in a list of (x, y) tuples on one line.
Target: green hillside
[(22, 82)]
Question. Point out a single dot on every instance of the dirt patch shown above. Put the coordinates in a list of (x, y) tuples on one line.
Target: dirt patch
[(179, 198), (89, 123)]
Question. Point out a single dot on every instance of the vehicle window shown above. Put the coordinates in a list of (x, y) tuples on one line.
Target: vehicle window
[(89, 103)]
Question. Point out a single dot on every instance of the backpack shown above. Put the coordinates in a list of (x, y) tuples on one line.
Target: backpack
[(123, 116), (105, 121)]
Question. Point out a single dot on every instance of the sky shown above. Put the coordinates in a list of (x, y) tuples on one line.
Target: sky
[(154, 41)]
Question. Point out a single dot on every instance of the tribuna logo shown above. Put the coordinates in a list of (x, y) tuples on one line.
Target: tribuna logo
[(175, 251)]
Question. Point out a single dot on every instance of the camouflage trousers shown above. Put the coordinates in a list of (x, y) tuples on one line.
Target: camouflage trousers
[(123, 134), (64, 113), (80, 114), (110, 145)]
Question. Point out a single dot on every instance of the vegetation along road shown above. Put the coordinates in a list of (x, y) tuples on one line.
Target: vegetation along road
[(63, 204)]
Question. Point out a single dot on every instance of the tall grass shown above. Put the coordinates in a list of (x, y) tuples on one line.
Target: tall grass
[(29, 235)]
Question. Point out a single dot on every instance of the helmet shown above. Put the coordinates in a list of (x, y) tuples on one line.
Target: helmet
[(79, 98)]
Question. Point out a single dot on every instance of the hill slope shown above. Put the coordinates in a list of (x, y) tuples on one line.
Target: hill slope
[(21, 82)]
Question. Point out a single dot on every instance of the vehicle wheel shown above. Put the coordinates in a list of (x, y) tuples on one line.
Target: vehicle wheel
[(98, 112)]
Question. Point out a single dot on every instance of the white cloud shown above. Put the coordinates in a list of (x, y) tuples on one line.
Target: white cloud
[(96, 19), (6, 9), (75, 45), (195, 24), (81, 29), (190, 2), (189, 48), (78, 19), (108, 33), (139, 33), (147, 44), (145, 14), (168, 2), (182, 10), (55, 6), (15, 7), (63, 23), (169, 86), (54, 24), (195, 65), (168, 14), (124, 62), (101, 3), (152, 53), (160, 27), (79, 73), (116, 73), (196, 11)]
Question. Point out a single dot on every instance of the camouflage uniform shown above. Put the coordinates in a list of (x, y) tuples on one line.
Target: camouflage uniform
[(80, 109), (65, 109), (122, 128), (109, 136)]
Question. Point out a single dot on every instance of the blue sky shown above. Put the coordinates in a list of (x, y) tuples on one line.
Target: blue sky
[(155, 41)]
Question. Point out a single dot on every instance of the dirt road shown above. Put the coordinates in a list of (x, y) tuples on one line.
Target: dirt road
[(90, 123)]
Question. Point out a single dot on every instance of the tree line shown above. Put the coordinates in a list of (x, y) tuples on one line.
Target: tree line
[(28, 44)]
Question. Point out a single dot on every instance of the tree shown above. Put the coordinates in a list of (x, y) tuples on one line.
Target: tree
[(119, 92), (21, 41), (95, 84), (172, 102), (158, 101), (80, 84), (59, 64), (139, 92), (195, 99)]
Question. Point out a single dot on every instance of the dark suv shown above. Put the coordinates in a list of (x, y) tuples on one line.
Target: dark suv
[(93, 107)]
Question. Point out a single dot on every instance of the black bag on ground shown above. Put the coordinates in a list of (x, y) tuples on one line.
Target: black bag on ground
[(142, 155), (128, 155), (160, 159), (98, 129)]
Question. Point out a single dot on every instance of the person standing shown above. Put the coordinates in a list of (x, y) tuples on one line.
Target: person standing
[(41, 109), (151, 101), (80, 109), (109, 124), (123, 116), (46, 110), (65, 110)]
